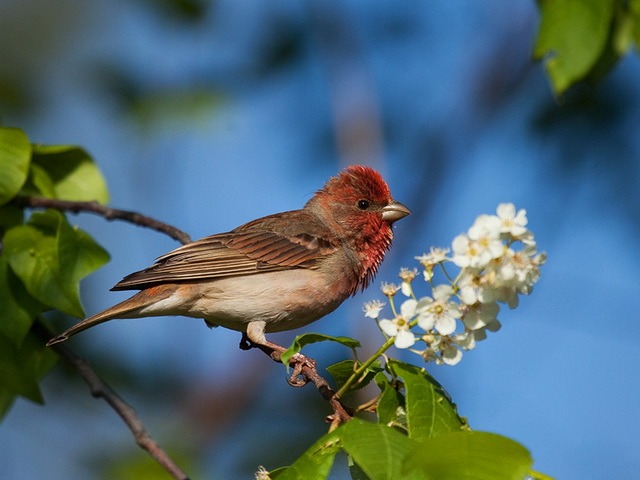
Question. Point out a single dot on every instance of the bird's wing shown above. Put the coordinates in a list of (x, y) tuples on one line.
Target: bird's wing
[(231, 254)]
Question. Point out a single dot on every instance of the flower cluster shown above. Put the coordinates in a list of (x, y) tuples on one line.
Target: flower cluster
[(497, 260)]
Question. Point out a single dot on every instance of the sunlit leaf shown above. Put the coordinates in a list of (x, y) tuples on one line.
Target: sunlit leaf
[(378, 450), (429, 409), (15, 154), (469, 456), (315, 463), (571, 38), (72, 173), (50, 257)]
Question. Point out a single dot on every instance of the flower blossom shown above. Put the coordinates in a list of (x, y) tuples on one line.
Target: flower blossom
[(407, 277), (498, 262), (515, 224), (373, 308), (399, 329), (438, 312), (480, 244)]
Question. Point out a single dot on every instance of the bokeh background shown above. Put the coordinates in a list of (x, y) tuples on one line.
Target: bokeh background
[(207, 115)]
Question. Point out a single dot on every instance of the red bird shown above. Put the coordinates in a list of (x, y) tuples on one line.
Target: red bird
[(275, 273)]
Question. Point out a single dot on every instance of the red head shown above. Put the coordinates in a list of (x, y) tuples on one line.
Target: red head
[(358, 206)]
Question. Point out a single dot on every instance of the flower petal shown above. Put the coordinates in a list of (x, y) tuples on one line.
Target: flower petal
[(389, 327), (446, 325), (404, 339), (451, 355), (408, 308)]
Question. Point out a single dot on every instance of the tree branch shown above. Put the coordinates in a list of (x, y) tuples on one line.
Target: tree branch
[(106, 212), (99, 389), (305, 371)]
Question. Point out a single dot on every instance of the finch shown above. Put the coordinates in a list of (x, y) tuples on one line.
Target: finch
[(276, 273)]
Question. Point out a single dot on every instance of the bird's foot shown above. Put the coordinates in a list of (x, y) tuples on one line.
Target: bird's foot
[(298, 362)]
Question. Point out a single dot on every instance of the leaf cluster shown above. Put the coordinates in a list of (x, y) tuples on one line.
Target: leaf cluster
[(42, 256), (417, 432), (581, 40)]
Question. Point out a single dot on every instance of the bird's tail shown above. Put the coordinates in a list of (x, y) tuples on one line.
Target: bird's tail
[(130, 308)]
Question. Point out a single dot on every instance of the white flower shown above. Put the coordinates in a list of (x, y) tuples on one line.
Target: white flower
[(481, 333), (407, 277), (480, 245), (438, 311), (511, 222), (480, 315), (373, 308), (451, 355), (262, 474), (476, 286), (519, 270), (389, 289), (466, 340), (435, 256), (398, 328), (429, 260), (408, 309)]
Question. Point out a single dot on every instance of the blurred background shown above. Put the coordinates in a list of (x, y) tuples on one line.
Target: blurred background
[(208, 114)]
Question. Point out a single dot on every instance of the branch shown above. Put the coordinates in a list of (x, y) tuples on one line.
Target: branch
[(305, 371), (99, 389), (106, 212)]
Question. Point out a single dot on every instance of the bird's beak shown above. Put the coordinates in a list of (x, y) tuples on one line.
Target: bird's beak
[(394, 211)]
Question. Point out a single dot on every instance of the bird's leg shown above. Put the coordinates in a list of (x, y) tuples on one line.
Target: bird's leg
[(255, 338)]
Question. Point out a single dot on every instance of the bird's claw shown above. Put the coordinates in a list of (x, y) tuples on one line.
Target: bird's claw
[(298, 362), (245, 343)]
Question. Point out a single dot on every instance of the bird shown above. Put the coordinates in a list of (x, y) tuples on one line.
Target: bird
[(279, 272)]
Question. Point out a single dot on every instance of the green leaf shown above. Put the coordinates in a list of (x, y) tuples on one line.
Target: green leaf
[(378, 450), (469, 455), (315, 463), (50, 257), (15, 154), (356, 472), (308, 338), (22, 368), (634, 11), (571, 38), (429, 408), (341, 372), (71, 171), (39, 183), (19, 309), (391, 405)]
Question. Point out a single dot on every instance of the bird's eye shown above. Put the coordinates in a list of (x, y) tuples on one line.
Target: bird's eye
[(363, 204)]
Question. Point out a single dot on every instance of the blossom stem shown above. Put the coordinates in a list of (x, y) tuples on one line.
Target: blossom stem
[(446, 274), (362, 368)]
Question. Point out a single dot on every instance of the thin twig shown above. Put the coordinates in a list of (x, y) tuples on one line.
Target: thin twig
[(106, 212), (100, 389), (305, 371)]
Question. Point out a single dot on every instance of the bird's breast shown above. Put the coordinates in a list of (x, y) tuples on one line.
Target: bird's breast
[(285, 299)]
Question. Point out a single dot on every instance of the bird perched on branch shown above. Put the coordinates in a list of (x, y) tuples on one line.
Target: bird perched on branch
[(275, 273)]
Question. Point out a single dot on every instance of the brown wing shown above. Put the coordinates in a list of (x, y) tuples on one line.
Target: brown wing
[(240, 252)]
